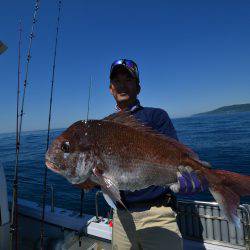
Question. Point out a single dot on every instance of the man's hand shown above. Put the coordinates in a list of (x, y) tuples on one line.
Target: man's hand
[(188, 182), (88, 184)]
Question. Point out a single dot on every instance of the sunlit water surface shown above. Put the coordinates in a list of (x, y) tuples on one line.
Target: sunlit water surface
[(222, 140)]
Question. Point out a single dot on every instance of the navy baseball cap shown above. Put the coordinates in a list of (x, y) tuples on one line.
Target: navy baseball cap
[(127, 64)]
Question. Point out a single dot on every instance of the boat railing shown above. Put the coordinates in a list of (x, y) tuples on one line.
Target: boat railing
[(198, 220), (50, 187), (96, 204), (204, 221), (99, 218)]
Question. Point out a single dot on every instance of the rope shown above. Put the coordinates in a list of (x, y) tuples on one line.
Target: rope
[(48, 131), (14, 219)]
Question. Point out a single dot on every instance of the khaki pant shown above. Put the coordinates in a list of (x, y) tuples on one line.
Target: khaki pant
[(155, 228)]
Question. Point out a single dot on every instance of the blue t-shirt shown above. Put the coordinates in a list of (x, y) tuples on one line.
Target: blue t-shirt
[(158, 120)]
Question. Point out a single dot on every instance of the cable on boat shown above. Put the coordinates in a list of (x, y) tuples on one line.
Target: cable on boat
[(19, 117), (48, 130)]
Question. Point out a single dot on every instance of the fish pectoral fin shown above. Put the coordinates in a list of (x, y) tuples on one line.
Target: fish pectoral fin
[(108, 199), (110, 190)]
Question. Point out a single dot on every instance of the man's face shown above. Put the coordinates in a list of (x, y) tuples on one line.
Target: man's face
[(124, 87)]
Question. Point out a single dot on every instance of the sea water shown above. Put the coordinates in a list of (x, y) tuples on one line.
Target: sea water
[(221, 140)]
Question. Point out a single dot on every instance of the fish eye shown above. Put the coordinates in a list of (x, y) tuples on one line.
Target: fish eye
[(65, 147)]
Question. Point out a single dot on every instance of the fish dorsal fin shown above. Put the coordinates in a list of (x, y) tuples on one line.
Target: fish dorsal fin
[(127, 119)]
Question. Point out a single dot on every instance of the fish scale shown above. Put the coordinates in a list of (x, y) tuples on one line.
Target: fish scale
[(120, 153)]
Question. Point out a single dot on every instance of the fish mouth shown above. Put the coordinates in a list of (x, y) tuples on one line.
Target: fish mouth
[(52, 166)]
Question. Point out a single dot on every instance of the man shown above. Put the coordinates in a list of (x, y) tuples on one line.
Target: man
[(152, 222), (149, 222)]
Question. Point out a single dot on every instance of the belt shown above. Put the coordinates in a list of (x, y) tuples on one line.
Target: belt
[(167, 200)]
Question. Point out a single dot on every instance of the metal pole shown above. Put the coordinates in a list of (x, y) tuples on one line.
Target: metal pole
[(81, 206), (96, 205), (52, 198)]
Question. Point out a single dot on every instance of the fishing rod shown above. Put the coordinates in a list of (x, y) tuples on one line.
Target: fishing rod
[(87, 118), (14, 219), (48, 130)]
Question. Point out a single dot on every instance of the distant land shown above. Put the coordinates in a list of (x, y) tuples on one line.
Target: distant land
[(228, 109)]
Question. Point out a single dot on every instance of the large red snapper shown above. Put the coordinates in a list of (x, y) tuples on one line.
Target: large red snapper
[(119, 153)]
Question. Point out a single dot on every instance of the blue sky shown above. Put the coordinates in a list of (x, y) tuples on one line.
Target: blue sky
[(193, 56)]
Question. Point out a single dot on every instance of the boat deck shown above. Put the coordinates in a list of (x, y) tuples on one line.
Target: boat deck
[(201, 224)]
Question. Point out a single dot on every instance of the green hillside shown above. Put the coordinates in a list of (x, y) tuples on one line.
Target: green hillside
[(228, 109)]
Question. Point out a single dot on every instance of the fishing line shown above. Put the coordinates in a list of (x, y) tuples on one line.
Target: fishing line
[(14, 213), (48, 130), (90, 85), (87, 118)]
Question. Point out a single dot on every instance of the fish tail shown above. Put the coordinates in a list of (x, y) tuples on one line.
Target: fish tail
[(227, 188)]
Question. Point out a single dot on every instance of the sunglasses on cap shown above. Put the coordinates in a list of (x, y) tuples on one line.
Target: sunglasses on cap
[(128, 64)]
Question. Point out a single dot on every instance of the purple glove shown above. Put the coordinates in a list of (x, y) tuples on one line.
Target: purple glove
[(188, 182)]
